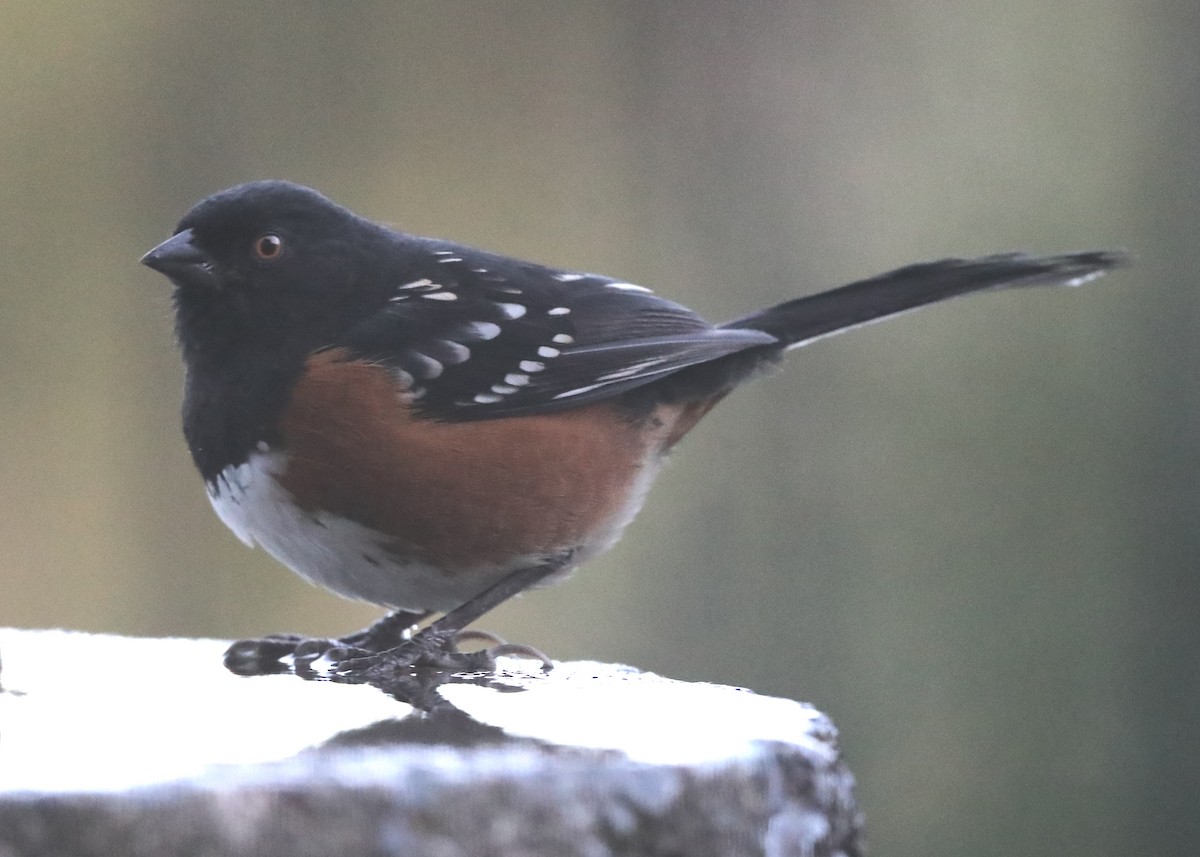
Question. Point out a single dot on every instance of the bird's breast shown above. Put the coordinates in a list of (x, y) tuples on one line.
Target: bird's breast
[(375, 502)]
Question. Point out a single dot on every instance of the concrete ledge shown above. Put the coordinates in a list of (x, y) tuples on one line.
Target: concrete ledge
[(112, 745)]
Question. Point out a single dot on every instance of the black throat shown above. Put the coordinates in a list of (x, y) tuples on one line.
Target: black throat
[(237, 384)]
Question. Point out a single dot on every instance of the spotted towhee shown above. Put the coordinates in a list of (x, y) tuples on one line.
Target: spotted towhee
[(434, 428)]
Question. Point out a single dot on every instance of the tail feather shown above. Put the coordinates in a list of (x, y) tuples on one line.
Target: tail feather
[(800, 321)]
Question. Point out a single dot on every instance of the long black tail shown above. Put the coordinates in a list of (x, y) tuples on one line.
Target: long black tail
[(802, 320)]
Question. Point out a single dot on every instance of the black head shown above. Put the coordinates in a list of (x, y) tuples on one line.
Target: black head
[(264, 273), (270, 262)]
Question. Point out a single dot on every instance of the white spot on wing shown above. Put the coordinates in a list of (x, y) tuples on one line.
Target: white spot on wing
[(503, 389), (458, 353), (547, 351), (425, 366), (446, 259), (630, 371), (404, 379), (516, 379), (440, 296), (486, 398), (628, 287), (512, 310), (484, 329), (568, 278), (531, 365), (578, 391), (563, 338), (559, 310)]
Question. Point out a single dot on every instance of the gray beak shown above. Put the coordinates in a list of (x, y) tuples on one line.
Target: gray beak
[(181, 261)]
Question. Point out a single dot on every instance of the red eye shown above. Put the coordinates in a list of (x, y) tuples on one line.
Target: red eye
[(268, 247)]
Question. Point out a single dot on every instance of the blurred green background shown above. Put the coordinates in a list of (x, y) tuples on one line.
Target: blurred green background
[(968, 534)]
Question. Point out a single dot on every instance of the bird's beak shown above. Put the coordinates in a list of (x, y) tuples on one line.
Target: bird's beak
[(182, 261)]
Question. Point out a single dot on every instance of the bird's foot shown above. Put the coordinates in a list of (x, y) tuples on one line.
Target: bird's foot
[(389, 646), (281, 653), (378, 653), (430, 649)]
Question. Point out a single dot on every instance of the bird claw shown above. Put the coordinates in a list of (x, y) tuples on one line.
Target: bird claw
[(431, 650), (264, 656), (348, 660)]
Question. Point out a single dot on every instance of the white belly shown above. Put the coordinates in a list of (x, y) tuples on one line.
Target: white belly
[(355, 561), (331, 551)]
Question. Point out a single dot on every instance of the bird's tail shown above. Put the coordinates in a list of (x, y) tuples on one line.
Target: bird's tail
[(800, 321)]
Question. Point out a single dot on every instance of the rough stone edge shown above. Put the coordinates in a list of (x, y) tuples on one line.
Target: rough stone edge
[(490, 801)]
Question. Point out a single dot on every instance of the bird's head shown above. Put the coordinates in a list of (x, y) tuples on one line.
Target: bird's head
[(269, 260)]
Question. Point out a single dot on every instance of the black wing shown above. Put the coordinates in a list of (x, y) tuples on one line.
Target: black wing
[(478, 335)]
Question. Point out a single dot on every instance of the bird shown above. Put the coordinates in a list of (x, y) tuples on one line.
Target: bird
[(434, 428)]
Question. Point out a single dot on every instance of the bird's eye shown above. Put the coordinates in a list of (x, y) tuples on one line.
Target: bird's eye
[(268, 247)]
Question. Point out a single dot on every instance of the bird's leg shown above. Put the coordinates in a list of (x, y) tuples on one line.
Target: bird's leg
[(267, 655), (387, 633), (436, 645)]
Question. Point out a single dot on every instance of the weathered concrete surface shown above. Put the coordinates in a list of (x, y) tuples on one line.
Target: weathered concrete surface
[(120, 746)]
